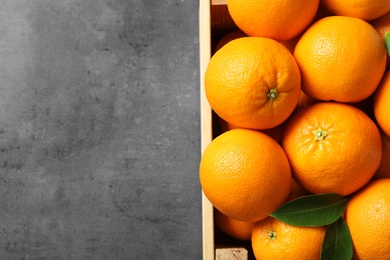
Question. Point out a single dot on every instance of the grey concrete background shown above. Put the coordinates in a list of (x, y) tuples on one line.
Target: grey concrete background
[(99, 130)]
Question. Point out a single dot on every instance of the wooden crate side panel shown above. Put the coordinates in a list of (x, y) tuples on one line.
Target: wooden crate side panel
[(206, 123)]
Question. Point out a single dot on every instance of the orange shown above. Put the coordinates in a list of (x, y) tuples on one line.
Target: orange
[(273, 239), (245, 174), (253, 82), (382, 25), (367, 215), (382, 104), (384, 167), (273, 19), (341, 59), (363, 9), (238, 229), (332, 147)]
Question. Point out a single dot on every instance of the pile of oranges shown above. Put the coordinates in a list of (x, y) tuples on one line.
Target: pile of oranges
[(302, 92)]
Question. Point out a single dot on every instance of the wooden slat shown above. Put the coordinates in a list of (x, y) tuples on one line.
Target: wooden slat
[(218, 2), (214, 21), (206, 122), (231, 253)]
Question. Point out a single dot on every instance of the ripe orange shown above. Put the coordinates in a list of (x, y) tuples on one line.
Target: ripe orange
[(341, 59), (273, 239), (245, 174), (273, 19), (382, 104), (238, 229), (382, 25), (367, 215), (363, 9), (253, 82), (384, 167), (332, 147)]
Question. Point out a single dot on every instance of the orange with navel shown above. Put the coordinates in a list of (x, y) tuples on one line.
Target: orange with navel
[(332, 147), (253, 82), (273, 239)]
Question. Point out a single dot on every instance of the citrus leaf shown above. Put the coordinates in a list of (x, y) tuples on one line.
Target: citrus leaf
[(312, 210), (387, 42), (337, 244)]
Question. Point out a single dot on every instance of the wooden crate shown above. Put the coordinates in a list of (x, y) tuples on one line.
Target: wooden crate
[(214, 23)]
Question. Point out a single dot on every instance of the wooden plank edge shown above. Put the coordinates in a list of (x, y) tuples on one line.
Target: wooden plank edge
[(230, 253), (218, 2), (206, 123)]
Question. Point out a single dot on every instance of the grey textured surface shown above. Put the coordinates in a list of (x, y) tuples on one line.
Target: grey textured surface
[(99, 130)]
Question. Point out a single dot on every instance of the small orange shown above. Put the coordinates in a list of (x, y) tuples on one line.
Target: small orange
[(245, 174), (363, 9), (332, 147), (341, 59), (382, 104), (238, 229), (253, 82), (273, 239), (273, 19), (384, 167), (367, 215)]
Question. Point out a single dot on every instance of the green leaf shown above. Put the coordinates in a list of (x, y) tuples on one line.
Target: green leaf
[(312, 210), (337, 244), (387, 42)]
